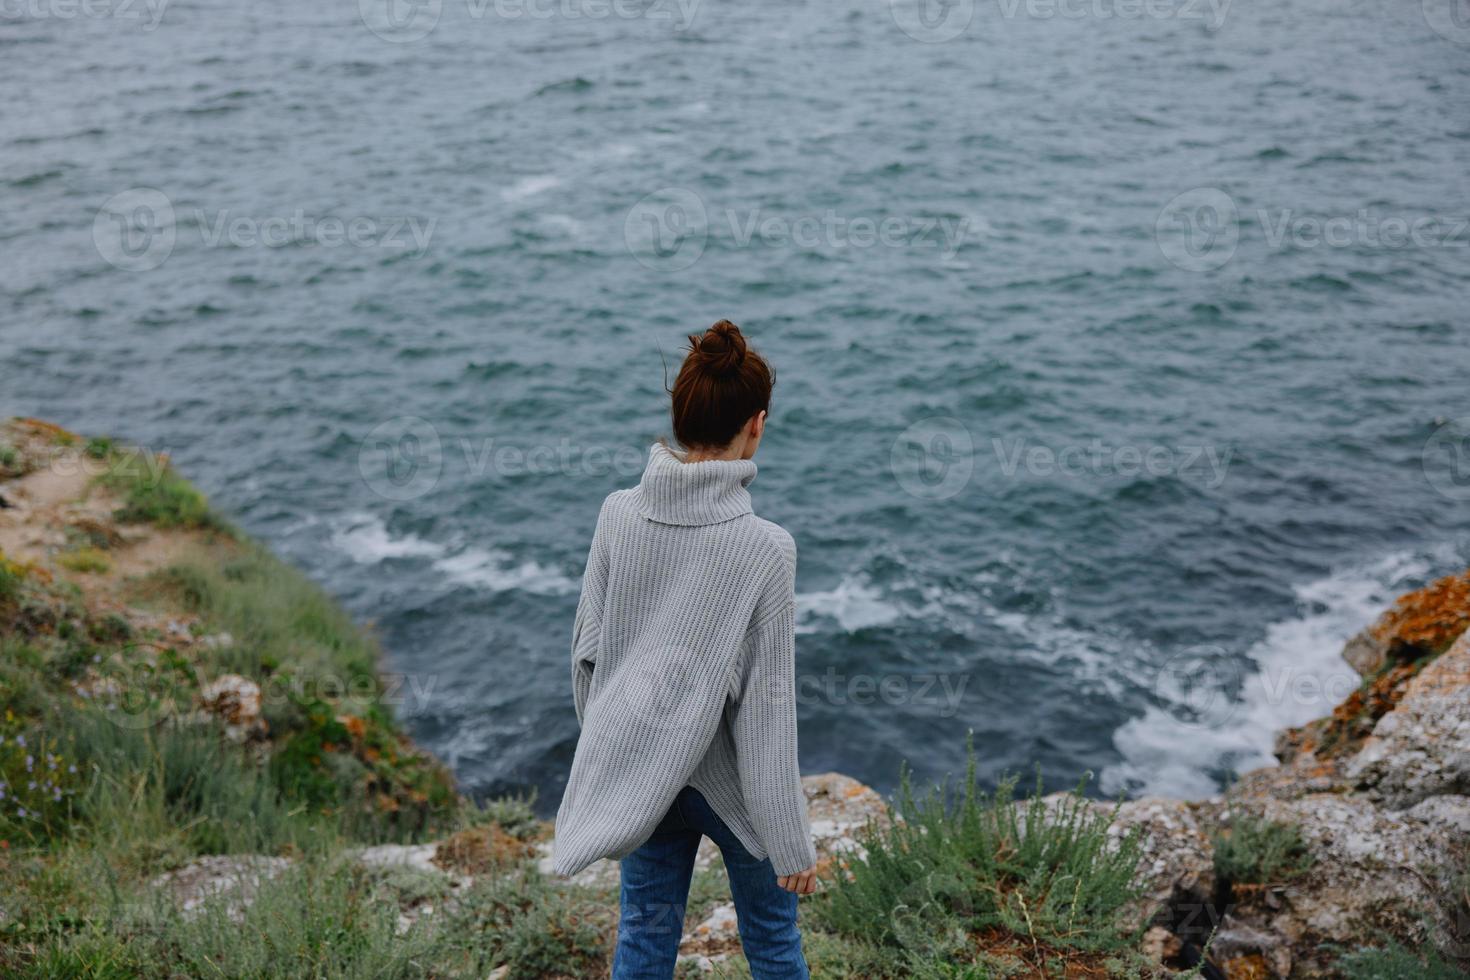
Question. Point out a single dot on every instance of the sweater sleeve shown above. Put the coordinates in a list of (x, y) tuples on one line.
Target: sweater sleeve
[(764, 730), (587, 626)]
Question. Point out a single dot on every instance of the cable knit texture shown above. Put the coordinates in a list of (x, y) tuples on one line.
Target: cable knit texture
[(684, 668)]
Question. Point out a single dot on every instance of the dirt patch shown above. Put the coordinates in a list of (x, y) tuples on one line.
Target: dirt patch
[(57, 513)]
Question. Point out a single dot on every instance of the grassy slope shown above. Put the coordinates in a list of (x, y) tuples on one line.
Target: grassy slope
[(112, 775)]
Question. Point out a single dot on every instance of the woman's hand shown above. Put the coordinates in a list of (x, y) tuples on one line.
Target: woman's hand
[(801, 883)]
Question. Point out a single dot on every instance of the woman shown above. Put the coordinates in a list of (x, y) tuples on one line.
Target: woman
[(683, 676)]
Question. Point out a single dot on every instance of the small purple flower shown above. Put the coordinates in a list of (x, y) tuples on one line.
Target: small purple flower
[(21, 741), (71, 769), (29, 762), (56, 795), (2, 792), (21, 812), (31, 785)]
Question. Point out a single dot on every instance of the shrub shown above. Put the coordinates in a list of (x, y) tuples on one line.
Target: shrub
[(85, 560), (11, 575), (324, 920), (519, 921), (1039, 879), (1258, 851), (183, 781), (1396, 962)]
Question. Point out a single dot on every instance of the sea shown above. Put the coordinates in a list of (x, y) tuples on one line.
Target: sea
[(1121, 345)]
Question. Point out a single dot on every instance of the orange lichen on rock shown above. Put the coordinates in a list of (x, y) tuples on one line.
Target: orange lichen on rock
[(1353, 719), (355, 726), (1419, 627), (51, 429), (1252, 967), (1426, 621)]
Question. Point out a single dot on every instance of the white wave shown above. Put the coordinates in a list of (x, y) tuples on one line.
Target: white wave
[(1094, 661), (530, 186), (366, 540), (855, 603), (498, 571), (1299, 675)]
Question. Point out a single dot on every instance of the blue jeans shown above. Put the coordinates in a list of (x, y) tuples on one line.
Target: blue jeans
[(656, 888)]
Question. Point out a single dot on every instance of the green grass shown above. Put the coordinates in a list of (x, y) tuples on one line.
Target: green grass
[(85, 560), (1396, 962), (337, 744), (537, 929), (1257, 851), (154, 493), (971, 880)]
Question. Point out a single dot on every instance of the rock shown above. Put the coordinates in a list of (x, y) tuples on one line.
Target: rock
[(1420, 626), (216, 641), (238, 877), (602, 875), (838, 809), (1450, 814), (1240, 939), (234, 700), (1251, 967), (419, 857), (1366, 653), (1161, 945), (712, 940), (1177, 867), (1373, 872), (1422, 747), (1425, 621)]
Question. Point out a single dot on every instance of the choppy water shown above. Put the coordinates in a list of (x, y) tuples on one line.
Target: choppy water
[(1103, 478)]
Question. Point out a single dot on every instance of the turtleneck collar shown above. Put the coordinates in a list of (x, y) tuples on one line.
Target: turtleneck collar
[(693, 494)]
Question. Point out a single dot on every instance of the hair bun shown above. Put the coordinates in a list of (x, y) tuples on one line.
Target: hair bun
[(720, 349)]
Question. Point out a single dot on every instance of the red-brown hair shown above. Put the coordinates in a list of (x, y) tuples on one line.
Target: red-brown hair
[(721, 384)]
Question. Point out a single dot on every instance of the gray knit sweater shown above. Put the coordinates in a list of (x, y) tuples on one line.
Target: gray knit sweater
[(683, 668)]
